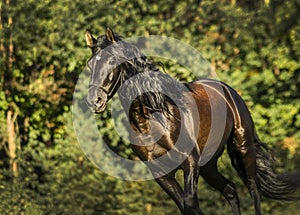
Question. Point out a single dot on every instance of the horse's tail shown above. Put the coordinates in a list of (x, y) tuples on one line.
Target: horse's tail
[(285, 186)]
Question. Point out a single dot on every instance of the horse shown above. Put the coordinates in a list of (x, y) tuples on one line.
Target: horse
[(183, 115)]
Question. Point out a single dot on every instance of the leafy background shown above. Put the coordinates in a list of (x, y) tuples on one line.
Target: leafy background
[(252, 45)]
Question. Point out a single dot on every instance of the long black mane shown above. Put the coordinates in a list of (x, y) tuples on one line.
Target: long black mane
[(145, 82)]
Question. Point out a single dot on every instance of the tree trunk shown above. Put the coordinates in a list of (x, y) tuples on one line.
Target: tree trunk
[(12, 141), (7, 52), (1, 27), (8, 48)]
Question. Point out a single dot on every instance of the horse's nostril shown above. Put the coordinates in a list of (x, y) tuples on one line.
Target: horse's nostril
[(98, 100)]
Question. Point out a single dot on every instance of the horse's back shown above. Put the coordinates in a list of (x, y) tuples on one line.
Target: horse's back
[(225, 97)]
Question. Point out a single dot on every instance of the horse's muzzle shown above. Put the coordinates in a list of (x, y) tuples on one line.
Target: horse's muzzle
[(97, 106), (96, 101)]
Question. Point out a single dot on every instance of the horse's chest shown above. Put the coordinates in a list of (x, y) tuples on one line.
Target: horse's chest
[(149, 152), (152, 140)]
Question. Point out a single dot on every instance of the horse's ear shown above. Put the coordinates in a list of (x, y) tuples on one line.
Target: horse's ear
[(90, 40), (110, 35)]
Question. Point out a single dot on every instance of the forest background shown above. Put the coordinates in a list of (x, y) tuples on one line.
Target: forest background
[(254, 46)]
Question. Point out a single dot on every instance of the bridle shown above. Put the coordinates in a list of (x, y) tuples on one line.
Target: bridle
[(109, 92), (121, 79)]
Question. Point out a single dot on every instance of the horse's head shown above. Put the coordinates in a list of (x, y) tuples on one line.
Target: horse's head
[(106, 74)]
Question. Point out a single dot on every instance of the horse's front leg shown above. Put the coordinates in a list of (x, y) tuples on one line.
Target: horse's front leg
[(191, 176), (170, 185)]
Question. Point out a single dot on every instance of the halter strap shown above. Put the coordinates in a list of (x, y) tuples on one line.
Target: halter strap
[(121, 79), (109, 92)]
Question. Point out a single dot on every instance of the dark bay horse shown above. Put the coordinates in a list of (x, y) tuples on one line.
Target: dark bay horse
[(183, 116)]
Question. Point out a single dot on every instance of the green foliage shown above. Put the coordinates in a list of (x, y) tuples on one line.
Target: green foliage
[(253, 47)]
